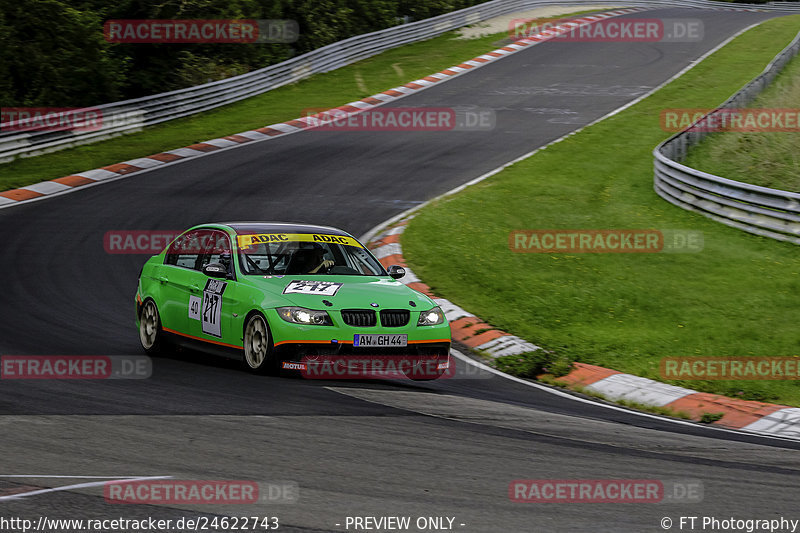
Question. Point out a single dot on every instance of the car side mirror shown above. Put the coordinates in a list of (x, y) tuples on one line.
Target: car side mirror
[(396, 271), (215, 270)]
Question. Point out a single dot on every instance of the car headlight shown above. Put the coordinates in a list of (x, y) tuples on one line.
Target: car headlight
[(431, 318), (300, 315)]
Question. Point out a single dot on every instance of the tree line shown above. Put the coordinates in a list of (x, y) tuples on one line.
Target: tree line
[(53, 53)]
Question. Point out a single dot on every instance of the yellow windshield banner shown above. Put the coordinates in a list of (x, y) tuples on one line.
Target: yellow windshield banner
[(249, 240)]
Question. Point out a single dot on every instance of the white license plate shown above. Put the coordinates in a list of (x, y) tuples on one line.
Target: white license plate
[(379, 341)]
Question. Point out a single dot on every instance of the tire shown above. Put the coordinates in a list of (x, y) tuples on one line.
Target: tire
[(150, 333), (258, 346)]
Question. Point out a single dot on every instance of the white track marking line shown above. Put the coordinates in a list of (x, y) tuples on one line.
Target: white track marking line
[(75, 486), (47, 476)]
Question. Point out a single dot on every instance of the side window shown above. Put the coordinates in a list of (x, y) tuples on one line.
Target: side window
[(364, 262), (185, 250), (216, 248)]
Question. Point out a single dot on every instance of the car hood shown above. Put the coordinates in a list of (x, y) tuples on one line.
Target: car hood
[(343, 292)]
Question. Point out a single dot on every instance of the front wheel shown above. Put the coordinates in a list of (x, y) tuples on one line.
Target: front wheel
[(150, 334), (257, 345)]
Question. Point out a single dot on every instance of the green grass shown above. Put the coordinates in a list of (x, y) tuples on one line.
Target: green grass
[(710, 418), (624, 311), (769, 159), (364, 78), (533, 364)]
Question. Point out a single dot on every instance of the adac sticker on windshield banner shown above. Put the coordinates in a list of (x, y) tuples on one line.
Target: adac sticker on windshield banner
[(321, 288), (249, 240)]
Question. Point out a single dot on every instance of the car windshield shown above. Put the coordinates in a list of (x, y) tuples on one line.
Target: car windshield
[(293, 254)]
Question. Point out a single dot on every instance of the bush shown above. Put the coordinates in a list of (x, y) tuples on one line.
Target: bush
[(53, 52)]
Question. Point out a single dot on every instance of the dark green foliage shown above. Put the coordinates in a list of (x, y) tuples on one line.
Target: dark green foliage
[(53, 52)]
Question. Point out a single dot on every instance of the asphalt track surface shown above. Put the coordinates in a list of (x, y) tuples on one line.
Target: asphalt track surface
[(448, 448)]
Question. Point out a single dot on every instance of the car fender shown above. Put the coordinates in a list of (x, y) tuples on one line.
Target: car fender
[(149, 285)]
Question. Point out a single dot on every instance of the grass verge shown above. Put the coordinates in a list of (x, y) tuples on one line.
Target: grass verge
[(533, 364), (623, 311), (769, 159), (364, 78)]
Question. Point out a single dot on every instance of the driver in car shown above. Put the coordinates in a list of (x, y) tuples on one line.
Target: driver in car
[(310, 261)]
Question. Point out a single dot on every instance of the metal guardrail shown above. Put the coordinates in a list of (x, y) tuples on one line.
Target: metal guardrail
[(130, 116), (767, 212)]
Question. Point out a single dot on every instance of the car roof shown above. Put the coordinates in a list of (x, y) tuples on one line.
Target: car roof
[(246, 228)]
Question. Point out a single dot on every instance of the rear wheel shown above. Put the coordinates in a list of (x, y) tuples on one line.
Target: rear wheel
[(258, 345), (150, 334)]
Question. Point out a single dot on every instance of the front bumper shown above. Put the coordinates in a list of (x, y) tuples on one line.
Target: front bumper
[(293, 341), (430, 361), (291, 351)]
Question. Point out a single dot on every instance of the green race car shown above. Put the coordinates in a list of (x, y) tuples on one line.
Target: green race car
[(287, 296)]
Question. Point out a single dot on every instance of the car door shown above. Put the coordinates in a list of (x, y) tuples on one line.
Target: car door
[(216, 297), (179, 288)]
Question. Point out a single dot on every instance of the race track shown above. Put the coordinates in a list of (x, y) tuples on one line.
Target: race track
[(448, 448)]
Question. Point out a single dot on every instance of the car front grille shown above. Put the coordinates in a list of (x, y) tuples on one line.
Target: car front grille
[(395, 318), (359, 317)]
